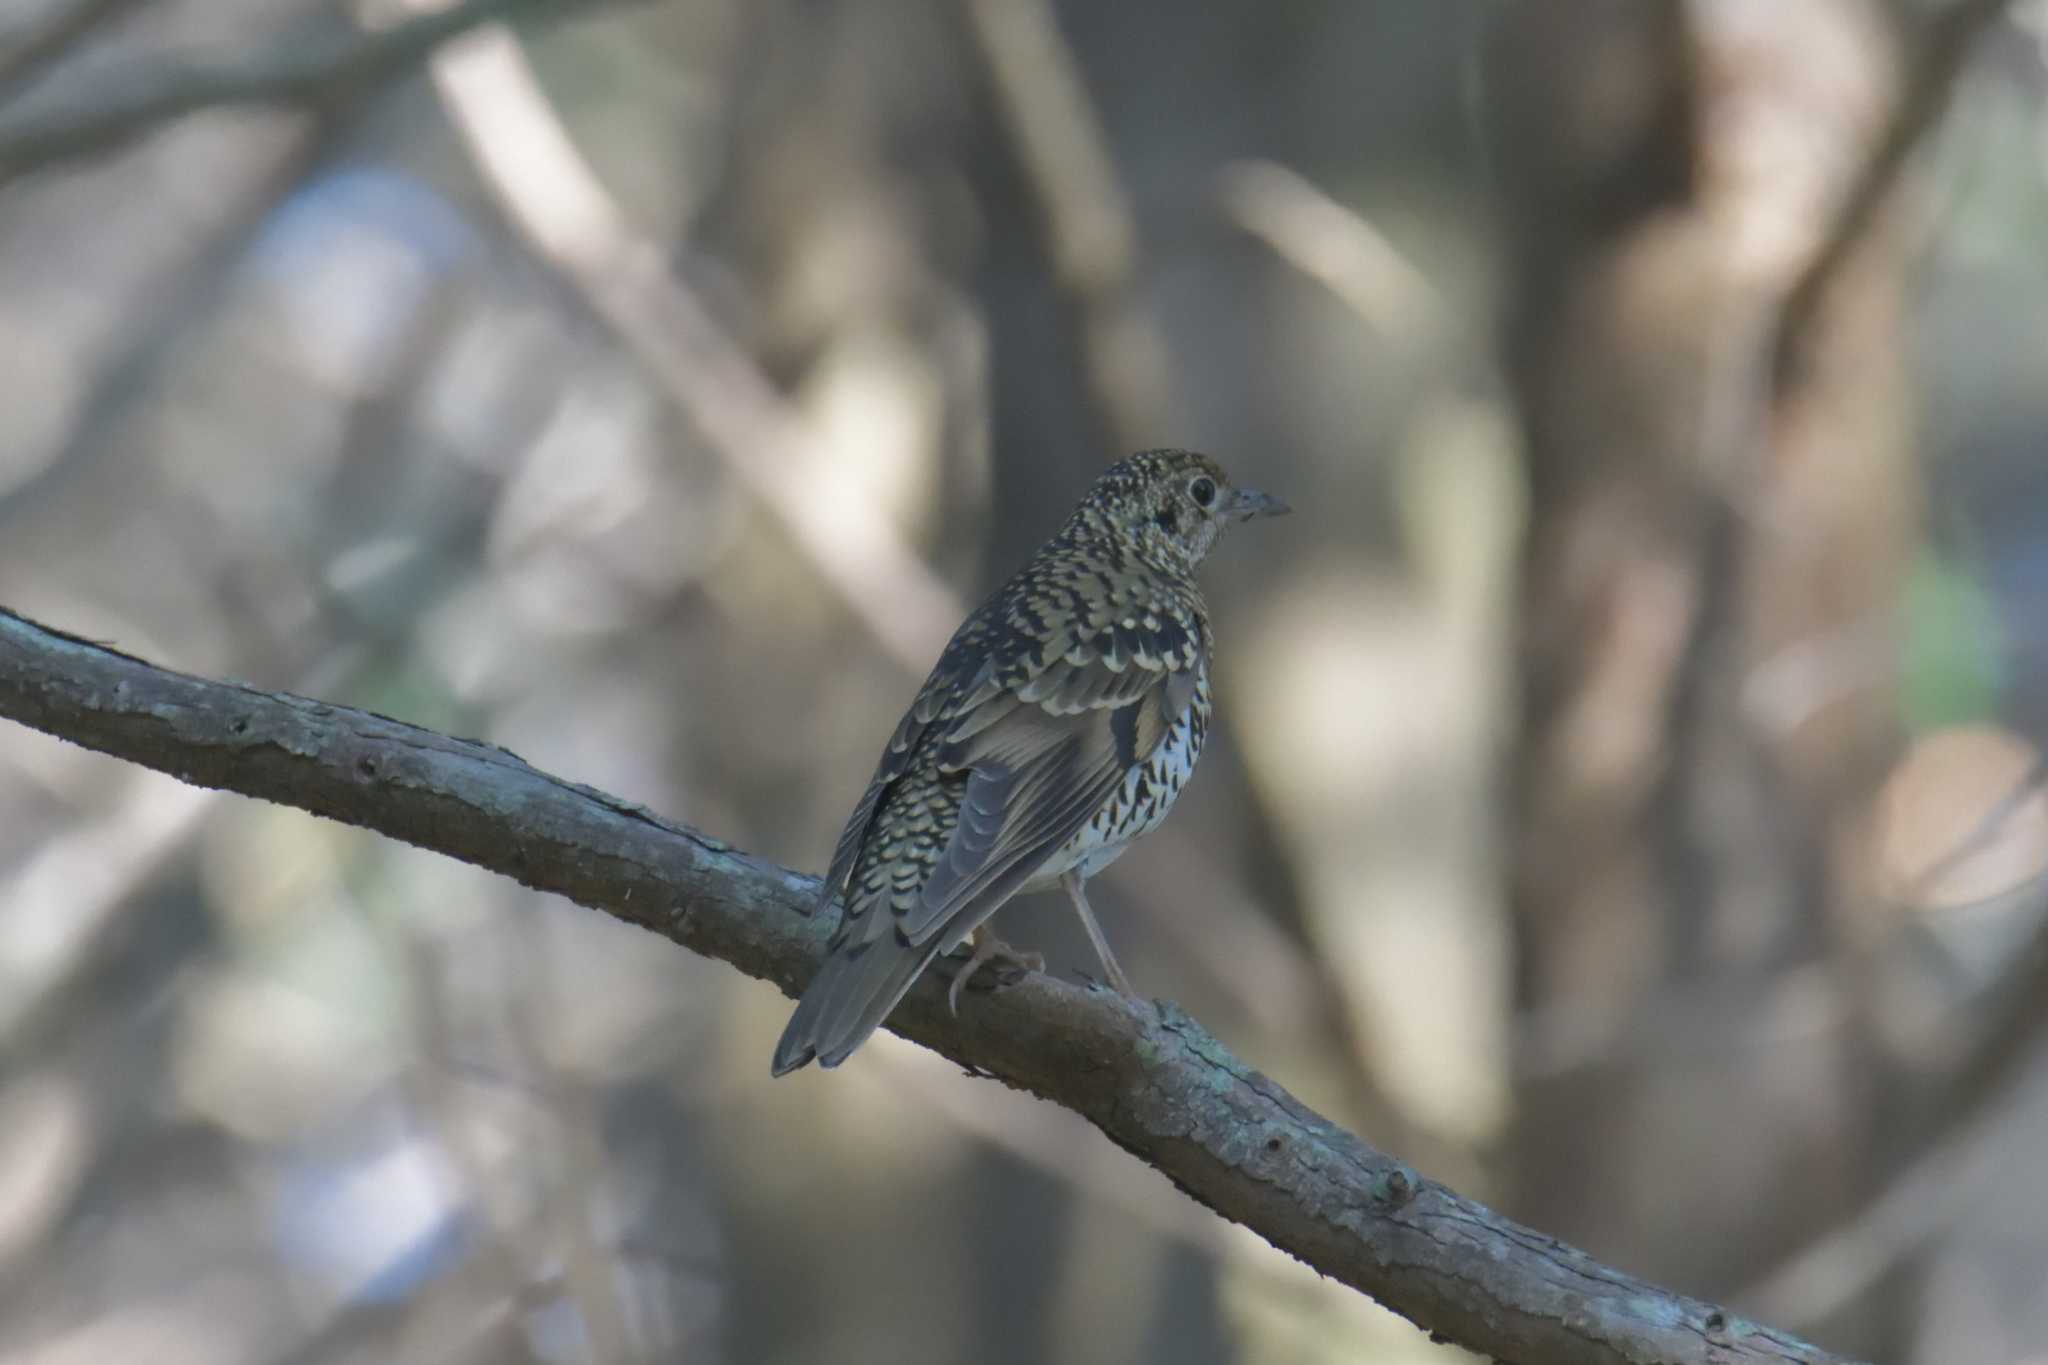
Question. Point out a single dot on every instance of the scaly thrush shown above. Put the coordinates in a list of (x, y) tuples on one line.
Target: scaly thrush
[(1059, 725)]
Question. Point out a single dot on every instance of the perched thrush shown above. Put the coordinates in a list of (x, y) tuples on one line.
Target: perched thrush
[(1059, 725)]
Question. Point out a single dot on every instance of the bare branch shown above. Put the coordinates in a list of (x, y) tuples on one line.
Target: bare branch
[(1937, 63), (1336, 247), (296, 71), (1759, 374), (553, 196), (2006, 1025), (1900, 1213), (1930, 1194), (1090, 232), (1148, 1076)]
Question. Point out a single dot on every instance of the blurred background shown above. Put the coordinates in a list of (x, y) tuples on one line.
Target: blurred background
[(1627, 807)]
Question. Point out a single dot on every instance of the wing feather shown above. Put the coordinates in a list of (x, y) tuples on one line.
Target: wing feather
[(1113, 669), (1037, 772), (939, 699)]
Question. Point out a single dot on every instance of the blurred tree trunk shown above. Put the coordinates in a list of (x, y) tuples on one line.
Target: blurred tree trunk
[(1712, 561)]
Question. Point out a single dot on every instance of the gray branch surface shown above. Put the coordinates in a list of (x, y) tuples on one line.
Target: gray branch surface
[(1147, 1075)]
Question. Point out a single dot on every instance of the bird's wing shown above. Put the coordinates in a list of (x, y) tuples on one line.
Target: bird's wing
[(954, 680), (997, 658), (1005, 754), (1040, 759), (895, 761)]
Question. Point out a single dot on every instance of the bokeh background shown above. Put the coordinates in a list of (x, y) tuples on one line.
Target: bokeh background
[(1627, 804)]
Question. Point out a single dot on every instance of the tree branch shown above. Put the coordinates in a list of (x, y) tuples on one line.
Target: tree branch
[(1938, 57), (1149, 1077), (294, 71)]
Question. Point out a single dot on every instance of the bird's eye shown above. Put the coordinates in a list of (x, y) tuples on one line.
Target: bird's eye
[(1203, 491)]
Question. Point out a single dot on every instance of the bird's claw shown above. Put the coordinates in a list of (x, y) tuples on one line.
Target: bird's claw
[(1009, 965)]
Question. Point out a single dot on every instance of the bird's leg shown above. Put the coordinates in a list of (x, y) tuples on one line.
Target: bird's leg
[(988, 948), (1076, 887)]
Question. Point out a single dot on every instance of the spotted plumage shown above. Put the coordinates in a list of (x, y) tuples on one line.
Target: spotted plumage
[(1059, 725)]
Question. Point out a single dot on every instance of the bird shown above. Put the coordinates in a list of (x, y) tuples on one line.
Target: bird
[(1058, 726)]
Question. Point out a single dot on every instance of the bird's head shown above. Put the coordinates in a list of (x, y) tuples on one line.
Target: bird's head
[(1174, 503)]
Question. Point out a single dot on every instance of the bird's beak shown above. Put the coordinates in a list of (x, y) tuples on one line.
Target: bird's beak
[(1246, 503)]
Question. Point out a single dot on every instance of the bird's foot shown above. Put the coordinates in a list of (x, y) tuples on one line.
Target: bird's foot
[(1010, 967)]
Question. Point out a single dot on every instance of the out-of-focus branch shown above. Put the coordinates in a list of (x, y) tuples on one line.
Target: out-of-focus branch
[(1334, 246), (1762, 372), (1147, 1075), (46, 43), (1762, 376), (1925, 1197), (1939, 54), (1929, 1194), (556, 201), (80, 881), (2008, 1022), (1848, 1258), (295, 72), (1086, 215)]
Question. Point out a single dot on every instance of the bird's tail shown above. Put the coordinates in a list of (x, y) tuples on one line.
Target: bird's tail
[(849, 998)]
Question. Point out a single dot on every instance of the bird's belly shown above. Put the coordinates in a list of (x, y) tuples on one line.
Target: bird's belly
[(1135, 809)]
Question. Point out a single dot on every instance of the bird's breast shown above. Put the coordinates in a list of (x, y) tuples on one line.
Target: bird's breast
[(1141, 802)]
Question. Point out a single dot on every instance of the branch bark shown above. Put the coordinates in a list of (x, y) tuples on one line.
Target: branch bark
[(1148, 1076)]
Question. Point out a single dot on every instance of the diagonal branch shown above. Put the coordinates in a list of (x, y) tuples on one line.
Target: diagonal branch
[(1941, 51), (1151, 1079), (295, 71)]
